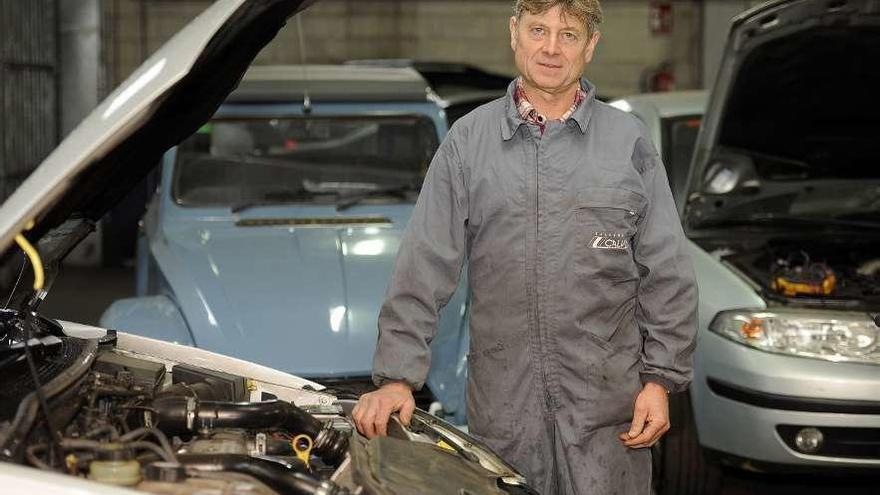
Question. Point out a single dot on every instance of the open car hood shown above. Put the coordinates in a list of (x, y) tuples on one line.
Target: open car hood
[(794, 102), (166, 99)]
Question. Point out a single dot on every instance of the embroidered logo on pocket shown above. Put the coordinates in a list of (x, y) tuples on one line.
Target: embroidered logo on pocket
[(607, 240)]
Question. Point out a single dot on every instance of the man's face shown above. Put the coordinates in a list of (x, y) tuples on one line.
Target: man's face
[(551, 49)]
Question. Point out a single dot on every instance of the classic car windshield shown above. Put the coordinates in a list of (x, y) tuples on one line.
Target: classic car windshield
[(301, 159)]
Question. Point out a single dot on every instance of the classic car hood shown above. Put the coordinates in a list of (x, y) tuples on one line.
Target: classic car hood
[(794, 100), (165, 100), (327, 283)]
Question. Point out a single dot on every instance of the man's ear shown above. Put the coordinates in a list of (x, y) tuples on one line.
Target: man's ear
[(513, 32), (591, 46)]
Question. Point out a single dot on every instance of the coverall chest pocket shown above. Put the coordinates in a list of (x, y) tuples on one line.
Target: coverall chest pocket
[(606, 222)]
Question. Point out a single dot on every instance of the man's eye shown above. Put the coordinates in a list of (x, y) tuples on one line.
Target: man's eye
[(569, 36), (537, 31)]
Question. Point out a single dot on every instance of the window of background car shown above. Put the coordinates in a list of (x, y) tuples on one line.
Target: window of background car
[(679, 139), (300, 159)]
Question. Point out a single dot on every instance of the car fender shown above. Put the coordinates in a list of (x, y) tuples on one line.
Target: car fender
[(720, 289), (156, 317)]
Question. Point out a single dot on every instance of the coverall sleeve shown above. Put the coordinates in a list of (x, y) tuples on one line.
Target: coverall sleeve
[(667, 294), (426, 273)]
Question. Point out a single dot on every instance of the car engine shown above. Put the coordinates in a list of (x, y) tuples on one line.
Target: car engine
[(160, 427), (812, 273)]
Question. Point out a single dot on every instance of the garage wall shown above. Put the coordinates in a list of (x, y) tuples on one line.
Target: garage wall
[(28, 88), (455, 30)]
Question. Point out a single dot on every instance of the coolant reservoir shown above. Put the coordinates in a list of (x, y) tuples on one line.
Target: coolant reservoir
[(114, 464)]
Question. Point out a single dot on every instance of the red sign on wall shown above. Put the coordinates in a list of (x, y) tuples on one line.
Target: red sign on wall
[(660, 18)]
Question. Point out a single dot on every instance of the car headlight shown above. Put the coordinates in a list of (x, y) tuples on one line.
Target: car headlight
[(831, 335)]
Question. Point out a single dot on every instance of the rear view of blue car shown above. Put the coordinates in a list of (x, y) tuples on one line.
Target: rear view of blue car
[(274, 229)]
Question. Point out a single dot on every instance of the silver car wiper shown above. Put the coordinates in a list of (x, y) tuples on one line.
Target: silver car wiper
[(347, 201)]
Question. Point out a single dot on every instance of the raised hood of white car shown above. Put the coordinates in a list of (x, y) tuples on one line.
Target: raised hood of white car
[(177, 89)]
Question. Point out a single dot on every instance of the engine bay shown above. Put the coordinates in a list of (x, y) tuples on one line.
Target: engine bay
[(809, 273), (158, 426)]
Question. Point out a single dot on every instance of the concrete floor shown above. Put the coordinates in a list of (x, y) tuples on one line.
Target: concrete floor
[(82, 294)]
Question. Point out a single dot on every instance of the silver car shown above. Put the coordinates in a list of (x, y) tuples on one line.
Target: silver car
[(780, 204)]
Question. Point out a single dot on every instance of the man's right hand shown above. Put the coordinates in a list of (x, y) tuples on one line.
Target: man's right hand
[(373, 409)]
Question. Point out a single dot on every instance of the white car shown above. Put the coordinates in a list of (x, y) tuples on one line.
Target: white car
[(90, 410)]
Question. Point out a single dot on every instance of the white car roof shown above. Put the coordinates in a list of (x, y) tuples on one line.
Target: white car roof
[(665, 105)]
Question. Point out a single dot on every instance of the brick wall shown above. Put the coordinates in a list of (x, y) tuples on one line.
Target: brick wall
[(455, 30)]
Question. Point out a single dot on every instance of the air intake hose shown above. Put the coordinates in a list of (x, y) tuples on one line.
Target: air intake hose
[(176, 414)]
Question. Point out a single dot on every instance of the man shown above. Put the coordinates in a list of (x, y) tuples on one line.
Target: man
[(582, 297)]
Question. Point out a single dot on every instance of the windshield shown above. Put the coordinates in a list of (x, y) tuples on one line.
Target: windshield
[(679, 138), (232, 162)]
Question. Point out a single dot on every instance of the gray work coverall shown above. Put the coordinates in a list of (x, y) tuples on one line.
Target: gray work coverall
[(581, 289)]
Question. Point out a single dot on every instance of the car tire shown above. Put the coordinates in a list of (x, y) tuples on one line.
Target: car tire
[(681, 466)]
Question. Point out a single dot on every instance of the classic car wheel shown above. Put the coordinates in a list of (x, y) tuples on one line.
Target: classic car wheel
[(681, 467)]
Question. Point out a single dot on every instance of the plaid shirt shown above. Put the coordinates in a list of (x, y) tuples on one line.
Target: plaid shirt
[(530, 114)]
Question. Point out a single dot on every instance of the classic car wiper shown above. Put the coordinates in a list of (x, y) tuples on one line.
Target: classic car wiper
[(273, 198), (346, 202)]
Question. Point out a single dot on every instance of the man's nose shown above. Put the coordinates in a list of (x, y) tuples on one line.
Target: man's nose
[(551, 45)]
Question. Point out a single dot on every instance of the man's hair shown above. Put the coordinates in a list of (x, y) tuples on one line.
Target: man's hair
[(589, 12)]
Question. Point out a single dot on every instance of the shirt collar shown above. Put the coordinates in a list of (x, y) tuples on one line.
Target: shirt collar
[(513, 119)]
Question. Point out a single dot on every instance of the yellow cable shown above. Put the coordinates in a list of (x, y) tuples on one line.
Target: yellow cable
[(34, 258)]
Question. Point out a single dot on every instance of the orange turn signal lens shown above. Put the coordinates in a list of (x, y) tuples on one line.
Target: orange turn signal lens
[(753, 329)]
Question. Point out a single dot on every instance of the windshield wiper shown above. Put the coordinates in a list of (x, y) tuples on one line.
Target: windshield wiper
[(347, 201), (273, 198)]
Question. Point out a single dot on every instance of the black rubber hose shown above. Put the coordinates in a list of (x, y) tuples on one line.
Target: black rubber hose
[(176, 415), (286, 480)]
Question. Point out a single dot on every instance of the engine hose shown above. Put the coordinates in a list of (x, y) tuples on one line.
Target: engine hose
[(176, 415), (284, 479)]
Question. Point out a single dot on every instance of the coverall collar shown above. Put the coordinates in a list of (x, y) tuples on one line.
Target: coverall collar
[(512, 119)]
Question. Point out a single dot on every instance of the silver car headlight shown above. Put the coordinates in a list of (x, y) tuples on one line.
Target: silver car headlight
[(831, 335)]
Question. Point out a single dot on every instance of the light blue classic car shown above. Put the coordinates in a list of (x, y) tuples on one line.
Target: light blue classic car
[(274, 229)]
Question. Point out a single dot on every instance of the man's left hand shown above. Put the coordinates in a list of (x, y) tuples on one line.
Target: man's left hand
[(650, 417)]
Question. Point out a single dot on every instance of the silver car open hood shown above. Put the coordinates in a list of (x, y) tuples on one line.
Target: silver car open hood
[(161, 103), (794, 101)]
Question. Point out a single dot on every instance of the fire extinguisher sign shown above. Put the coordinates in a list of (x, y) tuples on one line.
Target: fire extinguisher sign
[(660, 18)]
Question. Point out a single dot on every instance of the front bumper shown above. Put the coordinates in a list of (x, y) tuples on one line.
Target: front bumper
[(749, 404)]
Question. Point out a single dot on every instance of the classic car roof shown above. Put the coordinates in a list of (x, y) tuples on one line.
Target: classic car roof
[(330, 83)]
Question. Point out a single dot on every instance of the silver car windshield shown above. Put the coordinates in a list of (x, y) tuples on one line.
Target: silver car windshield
[(679, 138), (232, 162)]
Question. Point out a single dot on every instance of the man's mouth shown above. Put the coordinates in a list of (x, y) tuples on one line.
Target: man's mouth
[(549, 66)]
